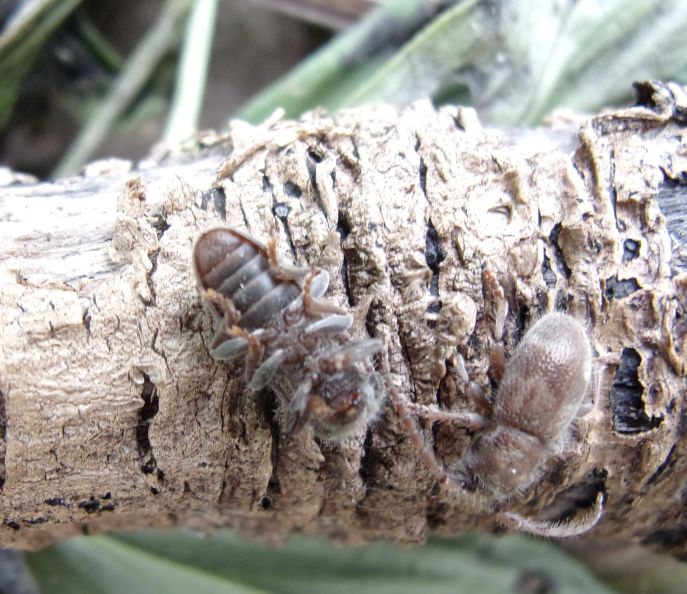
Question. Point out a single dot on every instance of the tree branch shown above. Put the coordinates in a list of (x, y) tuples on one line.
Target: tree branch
[(113, 415)]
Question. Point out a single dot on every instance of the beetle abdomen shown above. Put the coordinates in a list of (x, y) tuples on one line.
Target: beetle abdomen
[(238, 268)]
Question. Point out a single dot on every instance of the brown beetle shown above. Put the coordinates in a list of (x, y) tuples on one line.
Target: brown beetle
[(539, 395), (541, 390)]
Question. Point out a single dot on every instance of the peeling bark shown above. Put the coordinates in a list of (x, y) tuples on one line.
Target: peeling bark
[(113, 416)]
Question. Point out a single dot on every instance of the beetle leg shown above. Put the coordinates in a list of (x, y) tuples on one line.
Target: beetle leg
[(405, 415), (229, 349), (555, 529), (470, 420), (496, 299), (255, 350), (280, 270), (497, 362), (472, 389), (299, 409), (228, 312), (267, 369), (330, 325), (314, 286)]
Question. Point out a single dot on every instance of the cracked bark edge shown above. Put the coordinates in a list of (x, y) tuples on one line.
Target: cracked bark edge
[(100, 314)]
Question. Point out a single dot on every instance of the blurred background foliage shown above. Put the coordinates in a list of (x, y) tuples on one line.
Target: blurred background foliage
[(83, 79), (87, 78), (183, 562)]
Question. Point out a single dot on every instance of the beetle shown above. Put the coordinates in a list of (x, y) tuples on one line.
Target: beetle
[(539, 395), (273, 315), (541, 390)]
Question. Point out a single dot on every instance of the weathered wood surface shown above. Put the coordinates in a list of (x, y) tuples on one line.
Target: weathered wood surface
[(113, 416)]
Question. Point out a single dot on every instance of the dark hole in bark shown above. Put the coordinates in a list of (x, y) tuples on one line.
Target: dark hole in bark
[(541, 303), (86, 321), (644, 94), (311, 165), (563, 301), (423, 176), (578, 497), (11, 524), (435, 255), (343, 228), (368, 459), (3, 442), (145, 418), (630, 249), (663, 466), (293, 190), (314, 156), (266, 184), (436, 514), (672, 200), (219, 201), (618, 289), (270, 406), (160, 225), (627, 404), (281, 210), (55, 501), (523, 321), (90, 506), (561, 264), (547, 273), (205, 199)]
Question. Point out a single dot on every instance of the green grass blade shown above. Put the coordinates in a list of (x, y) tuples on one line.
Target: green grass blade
[(519, 59), (180, 561), (194, 62), (326, 77), (138, 69)]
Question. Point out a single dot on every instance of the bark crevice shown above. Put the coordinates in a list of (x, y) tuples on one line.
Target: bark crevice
[(627, 397), (146, 414), (3, 438)]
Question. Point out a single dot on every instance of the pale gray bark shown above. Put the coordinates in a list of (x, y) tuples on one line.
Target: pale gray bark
[(113, 416)]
